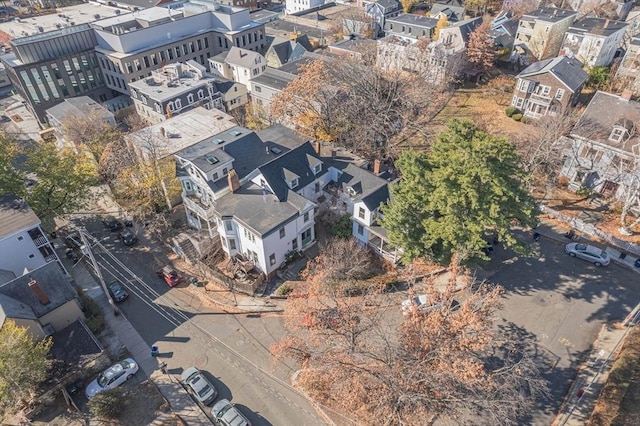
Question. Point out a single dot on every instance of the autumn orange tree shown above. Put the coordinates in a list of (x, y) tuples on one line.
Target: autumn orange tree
[(481, 52), (361, 356)]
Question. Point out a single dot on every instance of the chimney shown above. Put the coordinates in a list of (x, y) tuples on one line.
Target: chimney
[(162, 132), (606, 23), (555, 12), (234, 182), (376, 167), (334, 153), (35, 287), (626, 94), (316, 146)]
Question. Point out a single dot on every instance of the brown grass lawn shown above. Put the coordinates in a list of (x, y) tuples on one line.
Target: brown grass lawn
[(619, 402)]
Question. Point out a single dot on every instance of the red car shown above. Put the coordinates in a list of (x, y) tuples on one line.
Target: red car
[(170, 276)]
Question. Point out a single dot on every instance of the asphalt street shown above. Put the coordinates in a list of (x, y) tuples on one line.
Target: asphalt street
[(231, 349), (562, 303)]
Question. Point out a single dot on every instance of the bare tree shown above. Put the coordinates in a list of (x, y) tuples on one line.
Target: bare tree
[(481, 52), (443, 361)]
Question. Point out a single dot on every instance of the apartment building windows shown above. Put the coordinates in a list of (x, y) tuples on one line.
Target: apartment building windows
[(206, 43), (162, 56), (178, 53), (185, 51), (170, 53), (199, 43), (178, 104), (146, 61), (190, 98), (191, 47), (219, 41)]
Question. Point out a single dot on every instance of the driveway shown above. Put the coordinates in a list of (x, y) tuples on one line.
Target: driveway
[(563, 303)]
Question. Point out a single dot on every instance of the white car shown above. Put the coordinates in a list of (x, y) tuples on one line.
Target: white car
[(226, 414), (419, 302), (199, 385), (112, 377), (589, 253)]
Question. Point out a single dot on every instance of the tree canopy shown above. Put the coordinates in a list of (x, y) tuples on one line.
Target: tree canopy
[(50, 181), (360, 355), (23, 365), (470, 185)]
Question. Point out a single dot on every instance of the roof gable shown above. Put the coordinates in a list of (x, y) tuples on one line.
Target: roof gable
[(567, 71)]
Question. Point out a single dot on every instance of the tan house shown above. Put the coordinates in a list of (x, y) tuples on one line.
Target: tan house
[(548, 87), (541, 32), (43, 300)]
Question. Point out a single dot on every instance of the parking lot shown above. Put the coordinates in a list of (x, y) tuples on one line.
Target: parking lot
[(562, 303)]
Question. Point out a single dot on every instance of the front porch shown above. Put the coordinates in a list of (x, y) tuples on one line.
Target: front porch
[(379, 242), (200, 216)]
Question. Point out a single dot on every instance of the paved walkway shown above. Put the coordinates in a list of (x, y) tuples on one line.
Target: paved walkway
[(592, 376)]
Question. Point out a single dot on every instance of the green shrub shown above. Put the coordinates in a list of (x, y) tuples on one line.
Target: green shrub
[(283, 290), (517, 117), (342, 229), (92, 313), (525, 120), (107, 404), (584, 191), (510, 111)]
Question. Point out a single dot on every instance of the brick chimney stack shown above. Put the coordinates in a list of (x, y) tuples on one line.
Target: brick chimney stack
[(317, 146), (376, 167), (606, 23), (35, 287), (232, 179)]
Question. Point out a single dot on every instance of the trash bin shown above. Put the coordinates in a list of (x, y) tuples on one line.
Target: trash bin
[(623, 255), (154, 351), (637, 263)]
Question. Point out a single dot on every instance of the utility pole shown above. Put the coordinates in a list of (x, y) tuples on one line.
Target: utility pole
[(86, 250)]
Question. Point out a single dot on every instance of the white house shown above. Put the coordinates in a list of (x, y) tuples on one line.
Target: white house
[(258, 192), (593, 41), (293, 6), (24, 245), (239, 65), (605, 146)]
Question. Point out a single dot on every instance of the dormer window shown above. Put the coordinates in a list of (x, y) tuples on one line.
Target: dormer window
[(314, 164), (617, 134), (351, 191), (291, 178)]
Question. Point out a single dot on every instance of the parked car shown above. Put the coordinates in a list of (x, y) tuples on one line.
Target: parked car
[(127, 237), (199, 386), (117, 291), (112, 377), (421, 303), (589, 253), (226, 414), (113, 224), (170, 276)]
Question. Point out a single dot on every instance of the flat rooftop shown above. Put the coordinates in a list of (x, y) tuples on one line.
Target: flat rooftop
[(65, 17), (181, 131)]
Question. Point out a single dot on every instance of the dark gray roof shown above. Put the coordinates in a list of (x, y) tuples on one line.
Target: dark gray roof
[(220, 57), (568, 71), (370, 189), (360, 45), (223, 85), (602, 114), (15, 215), (467, 27), (294, 67), (274, 78), (388, 4), (53, 282), (259, 210), (11, 308), (596, 26), (548, 14), (414, 20), (295, 161), (453, 13), (79, 105), (74, 344), (290, 50)]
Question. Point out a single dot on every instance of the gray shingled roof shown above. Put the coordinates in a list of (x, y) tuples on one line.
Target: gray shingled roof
[(15, 215), (415, 20), (388, 4), (453, 13), (242, 57), (12, 308), (53, 282), (274, 78), (548, 14), (596, 26), (295, 161), (371, 189), (568, 71), (79, 105), (603, 112)]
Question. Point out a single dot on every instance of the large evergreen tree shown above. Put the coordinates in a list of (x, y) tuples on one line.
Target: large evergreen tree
[(468, 187)]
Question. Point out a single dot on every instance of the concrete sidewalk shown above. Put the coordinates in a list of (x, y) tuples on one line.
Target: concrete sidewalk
[(593, 374), (179, 400)]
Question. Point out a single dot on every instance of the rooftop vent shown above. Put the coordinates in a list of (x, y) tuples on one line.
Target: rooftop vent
[(276, 150), (212, 160), (235, 133), (218, 141)]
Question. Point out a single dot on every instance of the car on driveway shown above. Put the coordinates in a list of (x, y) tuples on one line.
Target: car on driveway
[(226, 414), (127, 237), (170, 276), (199, 386), (421, 303), (117, 291), (112, 377), (589, 253)]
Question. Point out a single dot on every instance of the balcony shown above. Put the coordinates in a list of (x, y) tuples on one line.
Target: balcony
[(539, 98), (38, 238), (50, 258), (195, 205)]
